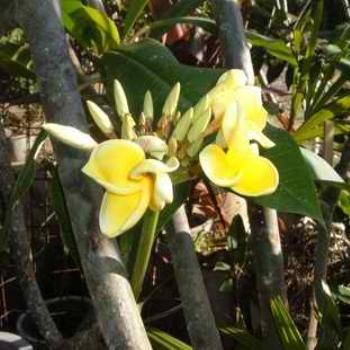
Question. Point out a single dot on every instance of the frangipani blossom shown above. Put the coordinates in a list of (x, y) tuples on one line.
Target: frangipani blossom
[(240, 167), (231, 87), (132, 183)]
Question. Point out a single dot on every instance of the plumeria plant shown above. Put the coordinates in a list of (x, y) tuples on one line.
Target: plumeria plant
[(138, 163)]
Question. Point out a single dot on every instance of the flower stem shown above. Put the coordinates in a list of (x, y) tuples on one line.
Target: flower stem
[(144, 251)]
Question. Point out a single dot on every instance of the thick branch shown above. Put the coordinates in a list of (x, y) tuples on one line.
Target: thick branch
[(198, 314), (231, 32), (21, 251), (116, 309)]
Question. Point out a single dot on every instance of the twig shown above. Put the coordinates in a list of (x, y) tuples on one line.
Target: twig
[(21, 251), (199, 317), (117, 313)]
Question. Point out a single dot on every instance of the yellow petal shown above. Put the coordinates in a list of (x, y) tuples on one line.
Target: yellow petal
[(233, 78), (163, 191), (217, 166), (229, 122), (121, 212), (154, 166), (71, 136), (249, 99), (110, 165), (257, 176), (263, 140)]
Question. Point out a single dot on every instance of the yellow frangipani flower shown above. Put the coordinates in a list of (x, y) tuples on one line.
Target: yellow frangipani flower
[(132, 183), (240, 167), (231, 87)]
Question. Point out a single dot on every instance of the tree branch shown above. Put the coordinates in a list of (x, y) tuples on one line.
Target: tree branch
[(199, 317), (117, 313)]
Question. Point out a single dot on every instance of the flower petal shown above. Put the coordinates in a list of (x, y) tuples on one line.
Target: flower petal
[(233, 78), (229, 122), (258, 176), (249, 99), (119, 213), (263, 140), (217, 166), (154, 166), (111, 163), (163, 191)]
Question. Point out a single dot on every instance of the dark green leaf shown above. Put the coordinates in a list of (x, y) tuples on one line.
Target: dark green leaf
[(183, 8), (287, 331), (148, 65), (164, 341), (242, 336), (296, 192), (64, 220)]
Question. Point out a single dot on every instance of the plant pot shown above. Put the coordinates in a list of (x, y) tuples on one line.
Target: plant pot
[(70, 313), (10, 341)]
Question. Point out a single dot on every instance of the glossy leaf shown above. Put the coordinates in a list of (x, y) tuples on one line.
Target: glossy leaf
[(148, 65), (296, 192), (242, 336)]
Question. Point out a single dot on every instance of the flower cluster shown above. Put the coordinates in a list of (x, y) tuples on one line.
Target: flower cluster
[(134, 168)]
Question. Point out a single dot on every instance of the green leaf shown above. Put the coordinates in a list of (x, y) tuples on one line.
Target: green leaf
[(148, 65), (89, 26), (242, 336), (183, 8), (134, 11), (275, 47), (237, 240), (297, 191), (314, 126), (60, 206), (164, 341), (287, 331), (22, 184), (320, 169)]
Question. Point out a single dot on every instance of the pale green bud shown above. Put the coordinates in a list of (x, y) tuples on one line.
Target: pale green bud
[(121, 102), (70, 136), (195, 147), (201, 107), (148, 106), (172, 144), (128, 125), (100, 118), (199, 125), (142, 124), (171, 101), (183, 125)]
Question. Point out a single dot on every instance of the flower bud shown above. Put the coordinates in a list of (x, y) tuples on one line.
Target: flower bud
[(70, 136), (153, 145), (199, 125), (172, 144), (172, 101), (195, 147), (100, 118), (183, 125), (142, 124), (201, 107), (148, 106), (121, 102), (128, 125)]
